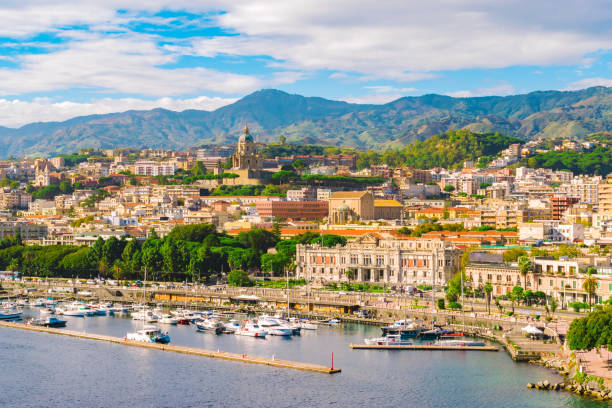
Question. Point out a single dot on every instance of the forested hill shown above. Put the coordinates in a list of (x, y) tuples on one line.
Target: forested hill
[(312, 120), (449, 150)]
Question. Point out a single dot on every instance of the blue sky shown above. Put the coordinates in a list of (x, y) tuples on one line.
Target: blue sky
[(60, 59)]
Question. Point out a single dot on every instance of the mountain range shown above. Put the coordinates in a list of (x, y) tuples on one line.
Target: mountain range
[(315, 120)]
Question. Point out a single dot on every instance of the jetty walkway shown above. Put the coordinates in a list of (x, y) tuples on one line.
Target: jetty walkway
[(420, 347), (244, 358)]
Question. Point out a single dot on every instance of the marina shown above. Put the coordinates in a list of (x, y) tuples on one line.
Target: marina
[(138, 365), (178, 349)]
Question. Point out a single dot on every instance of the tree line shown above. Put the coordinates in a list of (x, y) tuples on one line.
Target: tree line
[(190, 252)]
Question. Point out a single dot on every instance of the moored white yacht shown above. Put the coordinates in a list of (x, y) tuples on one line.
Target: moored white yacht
[(252, 330), (231, 326), (210, 325), (274, 327), (149, 334), (389, 340), (168, 319)]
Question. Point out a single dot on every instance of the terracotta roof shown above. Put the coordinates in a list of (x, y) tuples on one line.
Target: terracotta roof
[(348, 194), (386, 203)]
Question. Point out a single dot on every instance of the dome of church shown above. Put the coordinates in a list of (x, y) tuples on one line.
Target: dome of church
[(246, 135)]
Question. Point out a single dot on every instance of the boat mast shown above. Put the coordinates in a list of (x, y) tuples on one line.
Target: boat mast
[(462, 302), (287, 285)]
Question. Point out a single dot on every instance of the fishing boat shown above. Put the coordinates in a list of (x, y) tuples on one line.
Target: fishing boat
[(390, 340), (210, 325), (252, 330), (10, 313), (149, 334), (48, 322)]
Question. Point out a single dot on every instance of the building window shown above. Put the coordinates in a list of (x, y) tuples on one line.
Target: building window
[(574, 284), (551, 283), (380, 260)]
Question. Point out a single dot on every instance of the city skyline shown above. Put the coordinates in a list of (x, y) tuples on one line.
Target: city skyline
[(63, 59)]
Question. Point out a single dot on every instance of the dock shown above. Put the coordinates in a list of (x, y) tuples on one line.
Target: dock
[(243, 358), (420, 347)]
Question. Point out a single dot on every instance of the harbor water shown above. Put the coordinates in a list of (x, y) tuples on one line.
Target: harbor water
[(41, 369)]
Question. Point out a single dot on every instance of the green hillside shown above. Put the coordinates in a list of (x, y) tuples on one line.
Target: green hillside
[(312, 120)]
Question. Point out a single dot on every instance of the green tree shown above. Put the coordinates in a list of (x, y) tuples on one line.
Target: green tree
[(590, 284), (512, 255), (553, 306), (592, 331), (525, 266), (488, 289), (515, 296), (238, 277)]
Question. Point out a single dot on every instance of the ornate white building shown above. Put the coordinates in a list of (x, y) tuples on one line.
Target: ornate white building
[(392, 261)]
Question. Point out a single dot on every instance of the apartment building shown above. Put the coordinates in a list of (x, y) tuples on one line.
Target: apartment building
[(152, 168), (558, 279), (293, 210)]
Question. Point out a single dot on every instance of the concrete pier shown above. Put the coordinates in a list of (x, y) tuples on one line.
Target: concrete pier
[(244, 358), (421, 347)]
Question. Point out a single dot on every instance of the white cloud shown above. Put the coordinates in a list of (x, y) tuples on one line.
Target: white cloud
[(15, 113), (501, 90), (125, 64), (589, 82), (405, 41)]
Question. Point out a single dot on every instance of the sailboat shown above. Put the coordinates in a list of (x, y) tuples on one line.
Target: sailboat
[(148, 334)]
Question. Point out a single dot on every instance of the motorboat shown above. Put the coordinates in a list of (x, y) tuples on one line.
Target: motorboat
[(10, 313), (39, 302), (330, 322), (303, 324), (147, 315), (47, 311), (183, 321), (168, 319), (406, 328), (119, 309), (231, 326), (48, 322), (434, 333), (210, 325), (70, 311), (274, 327), (149, 334), (389, 340), (460, 343), (252, 330)]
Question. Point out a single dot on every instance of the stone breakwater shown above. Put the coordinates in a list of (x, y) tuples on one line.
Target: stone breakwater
[(589, 388)]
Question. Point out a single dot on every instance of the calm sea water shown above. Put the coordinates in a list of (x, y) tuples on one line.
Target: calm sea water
[(42, 370)]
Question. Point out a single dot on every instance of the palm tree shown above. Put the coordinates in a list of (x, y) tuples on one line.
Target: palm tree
[(525, 267), (590, 284), (103, 268), (488, 289)]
